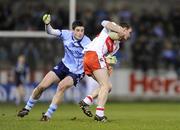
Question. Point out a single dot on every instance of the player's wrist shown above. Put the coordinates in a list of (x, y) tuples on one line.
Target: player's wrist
[(47, 24)]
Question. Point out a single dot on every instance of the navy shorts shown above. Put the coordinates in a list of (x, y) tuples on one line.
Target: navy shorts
[(19, 79), (18, 82), (62, 71)]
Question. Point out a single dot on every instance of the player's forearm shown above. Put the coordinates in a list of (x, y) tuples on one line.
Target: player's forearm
[(113, 27), (50, 30)]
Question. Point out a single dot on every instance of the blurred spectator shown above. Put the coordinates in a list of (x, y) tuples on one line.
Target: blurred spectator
[(150, 27), (88, 19), (177, 60), (168, 55), (125, 15), (141, 54), (3, 54), (32, 55), (174, 17)]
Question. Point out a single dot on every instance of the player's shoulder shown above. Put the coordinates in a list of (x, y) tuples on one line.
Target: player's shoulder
[(86, 38), (66, 31), (103, 33), (66, 34)]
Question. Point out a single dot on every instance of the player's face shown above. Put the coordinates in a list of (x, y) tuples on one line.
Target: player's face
[(79, 32), (21, 59), (127, 33)]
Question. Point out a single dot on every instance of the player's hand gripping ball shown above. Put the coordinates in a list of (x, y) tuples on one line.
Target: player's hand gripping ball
[(114, 35), (47, 18), (111, 59)]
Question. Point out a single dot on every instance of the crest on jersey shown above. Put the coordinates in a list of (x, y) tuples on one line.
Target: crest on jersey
[(56, 67)]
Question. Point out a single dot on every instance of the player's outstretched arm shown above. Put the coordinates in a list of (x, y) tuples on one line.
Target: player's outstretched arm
[(48, 28)]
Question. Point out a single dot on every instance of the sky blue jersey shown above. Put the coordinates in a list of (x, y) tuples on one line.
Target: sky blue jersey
[(73, 57)]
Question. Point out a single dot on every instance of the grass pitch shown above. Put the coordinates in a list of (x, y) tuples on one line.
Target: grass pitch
[(121, 116)]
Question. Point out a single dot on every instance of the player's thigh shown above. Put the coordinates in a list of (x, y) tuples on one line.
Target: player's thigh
[(101, 76), (21, 88), (66, 83), (50, 78)]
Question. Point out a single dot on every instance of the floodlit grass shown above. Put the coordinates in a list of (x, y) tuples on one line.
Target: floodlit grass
[(121, 116)]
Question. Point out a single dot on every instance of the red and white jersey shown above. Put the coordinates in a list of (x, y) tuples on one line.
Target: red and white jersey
[(102, 44)]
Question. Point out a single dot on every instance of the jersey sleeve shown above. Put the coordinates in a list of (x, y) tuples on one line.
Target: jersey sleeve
[(104, 31), (50, 30), (104, 23)]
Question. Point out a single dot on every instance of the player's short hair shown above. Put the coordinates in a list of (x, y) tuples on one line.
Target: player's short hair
[(125, 25), (77, 23)]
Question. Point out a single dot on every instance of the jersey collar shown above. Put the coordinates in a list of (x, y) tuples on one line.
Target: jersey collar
[(73, 38)]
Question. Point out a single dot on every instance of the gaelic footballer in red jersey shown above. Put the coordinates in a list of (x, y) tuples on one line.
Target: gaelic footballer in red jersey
[(95, 64)]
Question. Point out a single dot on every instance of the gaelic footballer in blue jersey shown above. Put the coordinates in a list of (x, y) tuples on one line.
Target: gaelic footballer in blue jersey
[(20, 72), (67, 72)]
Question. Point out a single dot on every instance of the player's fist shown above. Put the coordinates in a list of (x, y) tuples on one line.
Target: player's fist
[(111, 59), (47, 18)]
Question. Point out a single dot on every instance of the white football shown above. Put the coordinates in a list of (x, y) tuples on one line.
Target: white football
[(114, 35)]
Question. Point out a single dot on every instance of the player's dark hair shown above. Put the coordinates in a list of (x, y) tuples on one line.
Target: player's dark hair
[(77, 23), (125, 25)]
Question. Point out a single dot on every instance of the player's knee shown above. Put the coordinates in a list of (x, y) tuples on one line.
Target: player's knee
[(107, 86), (62, 88), (65, 84), (110, 87)]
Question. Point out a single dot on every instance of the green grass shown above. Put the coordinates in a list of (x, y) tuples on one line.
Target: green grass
[(122, 116)]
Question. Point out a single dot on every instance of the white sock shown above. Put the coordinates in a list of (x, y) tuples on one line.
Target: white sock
[(31, 102), (17, 100), (100, 111), (88, 100), (52, 108)]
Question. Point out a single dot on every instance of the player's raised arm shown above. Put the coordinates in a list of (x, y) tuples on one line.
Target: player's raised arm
[(48, 28), (113, 27)]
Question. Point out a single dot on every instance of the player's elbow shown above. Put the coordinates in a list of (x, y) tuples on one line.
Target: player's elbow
[(48, 32), (104, 23)]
